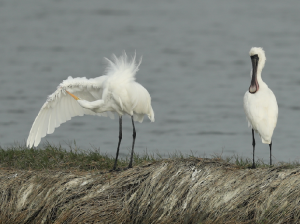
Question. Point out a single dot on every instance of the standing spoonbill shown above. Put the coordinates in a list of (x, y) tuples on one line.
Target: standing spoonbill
[(115, 92), (260, 103)]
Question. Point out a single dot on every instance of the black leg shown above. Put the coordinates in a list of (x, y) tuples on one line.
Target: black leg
[(253, 143), (120, 138), (270, 153), (133, 135)]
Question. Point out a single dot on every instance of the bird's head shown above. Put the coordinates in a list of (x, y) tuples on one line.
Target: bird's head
[(261, 56)]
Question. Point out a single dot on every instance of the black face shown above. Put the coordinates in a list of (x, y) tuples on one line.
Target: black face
[(254, 84), (254, 57)]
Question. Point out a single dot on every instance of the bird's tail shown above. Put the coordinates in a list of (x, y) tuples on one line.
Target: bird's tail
[(122, 68), (151, 115)]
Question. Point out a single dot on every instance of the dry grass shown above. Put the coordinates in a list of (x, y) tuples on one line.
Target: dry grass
[(178, 190)]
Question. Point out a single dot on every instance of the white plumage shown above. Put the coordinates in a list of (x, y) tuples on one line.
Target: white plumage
[(115, 92), (260, 103)]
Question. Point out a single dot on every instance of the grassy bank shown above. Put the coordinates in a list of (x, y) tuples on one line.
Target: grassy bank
[(50, 157), (53, 185)]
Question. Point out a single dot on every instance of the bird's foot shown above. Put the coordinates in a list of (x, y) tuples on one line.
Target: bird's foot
[(115, 170)]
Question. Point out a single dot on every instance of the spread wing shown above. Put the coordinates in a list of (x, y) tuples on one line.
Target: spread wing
[(61, 107)]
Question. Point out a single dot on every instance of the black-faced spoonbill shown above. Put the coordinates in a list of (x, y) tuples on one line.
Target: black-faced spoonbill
[(260, 103), (115, 92)]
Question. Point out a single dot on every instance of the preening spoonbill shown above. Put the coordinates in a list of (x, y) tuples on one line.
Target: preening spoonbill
[(260, 103), (115, 92)]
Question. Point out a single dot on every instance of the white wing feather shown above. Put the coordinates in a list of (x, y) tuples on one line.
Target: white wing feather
[(120, 90), (141, 102), (61, 107)]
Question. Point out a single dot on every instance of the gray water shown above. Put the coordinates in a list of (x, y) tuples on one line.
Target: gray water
[(195, 65)]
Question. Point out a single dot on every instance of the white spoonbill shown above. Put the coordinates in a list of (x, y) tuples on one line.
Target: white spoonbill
[(260, 103), (116, 91)]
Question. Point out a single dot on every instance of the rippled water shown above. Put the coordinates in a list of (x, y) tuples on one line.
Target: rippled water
[(195, 65)]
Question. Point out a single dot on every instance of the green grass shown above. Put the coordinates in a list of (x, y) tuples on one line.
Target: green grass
[(245, 163), (52, 157), (55, 157)]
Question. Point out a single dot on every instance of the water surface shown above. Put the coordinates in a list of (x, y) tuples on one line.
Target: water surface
[(195, 65)]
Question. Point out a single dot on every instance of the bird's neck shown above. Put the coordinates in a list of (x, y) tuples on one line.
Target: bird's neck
[(261, 83), (97, 106)]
